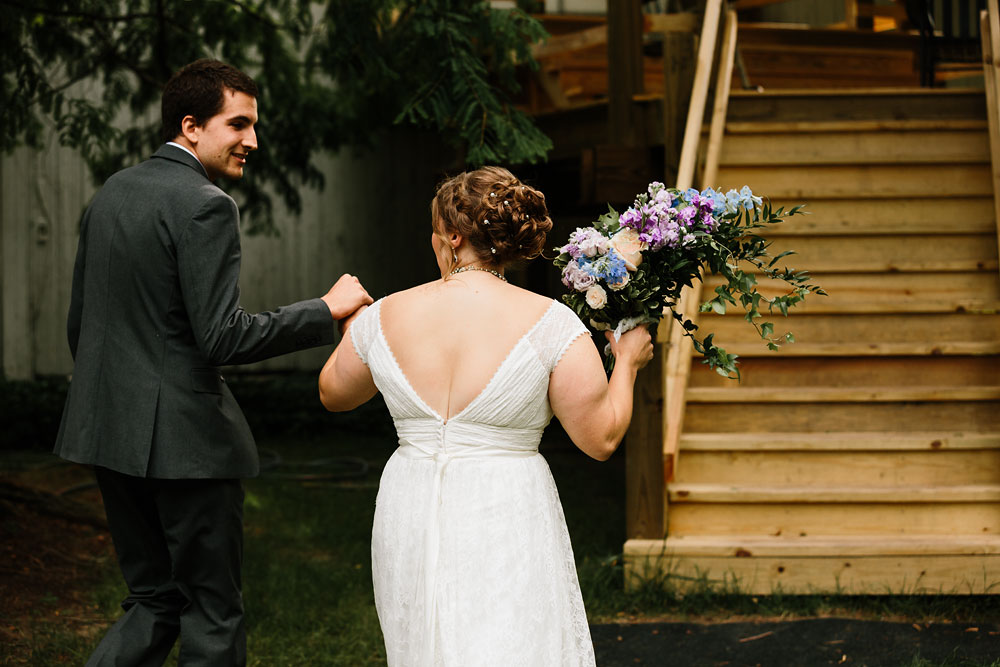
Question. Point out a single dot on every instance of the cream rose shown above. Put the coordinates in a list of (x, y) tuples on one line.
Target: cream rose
[(626, 242), (597, 298)]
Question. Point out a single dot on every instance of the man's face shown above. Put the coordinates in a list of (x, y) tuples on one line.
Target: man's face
[(224, 141)]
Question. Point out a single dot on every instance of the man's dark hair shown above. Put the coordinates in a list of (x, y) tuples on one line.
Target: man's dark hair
[(197, 90)]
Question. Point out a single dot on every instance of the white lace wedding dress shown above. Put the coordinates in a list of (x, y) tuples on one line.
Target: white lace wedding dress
[(471, 560)]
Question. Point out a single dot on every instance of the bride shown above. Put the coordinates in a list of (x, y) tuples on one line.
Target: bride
[(471, 561)]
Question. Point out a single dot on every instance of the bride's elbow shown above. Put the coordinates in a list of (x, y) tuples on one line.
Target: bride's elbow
[(603, 449)]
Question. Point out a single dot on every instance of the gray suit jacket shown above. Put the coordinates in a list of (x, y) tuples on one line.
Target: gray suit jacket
[(155, 309)]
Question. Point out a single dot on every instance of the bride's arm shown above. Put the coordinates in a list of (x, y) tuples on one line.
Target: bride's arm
[(345, 381), (596, 411)]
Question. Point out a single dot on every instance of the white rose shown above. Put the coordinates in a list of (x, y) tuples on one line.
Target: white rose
[(597, 298)]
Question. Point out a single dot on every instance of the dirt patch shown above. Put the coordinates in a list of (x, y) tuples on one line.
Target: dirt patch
[(53, 552)]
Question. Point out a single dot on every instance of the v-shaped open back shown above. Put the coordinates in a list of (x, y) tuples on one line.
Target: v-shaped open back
[(516, 395), (484, 391)]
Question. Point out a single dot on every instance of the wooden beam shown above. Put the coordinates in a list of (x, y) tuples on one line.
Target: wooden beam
[(845, 441), (645, 511), (847, 494), (699, 94), (990, 33), (624, 71), (721, 104)]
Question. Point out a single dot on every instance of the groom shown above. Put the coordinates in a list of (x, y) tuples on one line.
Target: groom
[(155, 310)]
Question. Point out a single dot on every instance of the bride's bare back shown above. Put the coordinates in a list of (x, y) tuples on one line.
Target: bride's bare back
[(450, 337)]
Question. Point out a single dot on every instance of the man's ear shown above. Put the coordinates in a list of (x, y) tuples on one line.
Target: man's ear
[(189, 128)]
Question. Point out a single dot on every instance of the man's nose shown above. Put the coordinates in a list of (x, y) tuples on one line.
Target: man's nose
[(250, 140)]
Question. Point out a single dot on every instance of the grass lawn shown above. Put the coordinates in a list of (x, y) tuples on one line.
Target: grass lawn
[(307, 575)]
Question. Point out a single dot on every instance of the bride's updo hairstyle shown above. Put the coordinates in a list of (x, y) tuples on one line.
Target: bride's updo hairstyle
[(502, 219)]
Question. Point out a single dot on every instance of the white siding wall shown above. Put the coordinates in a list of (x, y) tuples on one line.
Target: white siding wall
[(371, 220)]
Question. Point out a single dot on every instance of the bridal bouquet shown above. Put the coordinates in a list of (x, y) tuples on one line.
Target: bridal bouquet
[(628, 269)]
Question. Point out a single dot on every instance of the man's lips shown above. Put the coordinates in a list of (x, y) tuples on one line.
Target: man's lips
[(240, 157)]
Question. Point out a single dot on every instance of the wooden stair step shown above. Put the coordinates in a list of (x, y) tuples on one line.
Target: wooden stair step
[(826, 468), (873, 333), (743, 546), (846, 104), (854, 147), (861, 441), (972, 292), (804, 183), (725, 493), (919, 216), (859, 348), (777, 370), (870, 565), (855, 126), (840, 394), (889, 253), (820, 417)]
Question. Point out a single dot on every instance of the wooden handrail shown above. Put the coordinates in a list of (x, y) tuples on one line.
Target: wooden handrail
[(990, 34), (677, 363)]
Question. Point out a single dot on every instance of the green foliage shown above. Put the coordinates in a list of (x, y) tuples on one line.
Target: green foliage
[(332, 73)]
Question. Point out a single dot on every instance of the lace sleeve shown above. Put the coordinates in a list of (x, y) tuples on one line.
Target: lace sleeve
[(555, 333), (364, 329)]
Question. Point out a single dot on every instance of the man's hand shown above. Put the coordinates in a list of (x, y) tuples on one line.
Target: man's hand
[(346, 296)]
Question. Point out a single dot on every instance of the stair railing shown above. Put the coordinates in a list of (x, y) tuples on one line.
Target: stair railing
[(989, 20), (677, 362)]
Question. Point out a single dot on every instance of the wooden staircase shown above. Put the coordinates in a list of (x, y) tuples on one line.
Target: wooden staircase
[(865, 457)]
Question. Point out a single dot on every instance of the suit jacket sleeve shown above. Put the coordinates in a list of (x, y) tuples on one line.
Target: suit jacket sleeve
[(208, 259), (75, 320)]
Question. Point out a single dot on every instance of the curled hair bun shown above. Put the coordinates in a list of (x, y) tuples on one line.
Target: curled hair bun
[(503, 219)]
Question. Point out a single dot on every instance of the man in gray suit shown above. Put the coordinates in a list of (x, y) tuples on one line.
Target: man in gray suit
[(155, 311)]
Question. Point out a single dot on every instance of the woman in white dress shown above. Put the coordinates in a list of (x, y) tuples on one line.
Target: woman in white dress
[(471, 561)]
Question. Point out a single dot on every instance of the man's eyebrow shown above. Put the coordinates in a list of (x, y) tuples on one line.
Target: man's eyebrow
[(245, 119)]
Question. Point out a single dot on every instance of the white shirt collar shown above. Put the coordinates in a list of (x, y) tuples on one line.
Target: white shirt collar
[(187, 150)]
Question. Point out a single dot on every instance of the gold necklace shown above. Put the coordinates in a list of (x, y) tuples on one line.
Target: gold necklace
[(470, 267)]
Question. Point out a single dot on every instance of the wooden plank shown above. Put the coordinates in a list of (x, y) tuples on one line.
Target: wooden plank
[(832, 417), (816, 546), (721, 98), (15, 240), (878, 147), (859, 182), (970, 292), (842, 441), (645, 511), (624, 72), (861, 349), (853, 468), (877, 104), (889, 252), (840, 394), (699, 93), (847, 493), (991, 75), (932, 370), (833, 574), (919, 216), (869, 331), (809, 519), (684, 22), (570, 42), (904, 126)]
